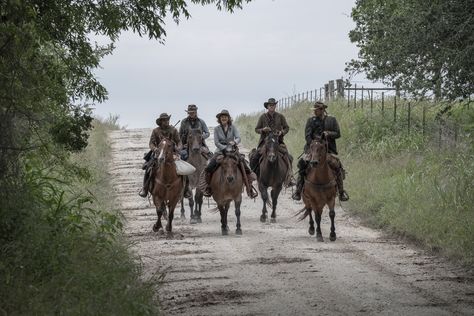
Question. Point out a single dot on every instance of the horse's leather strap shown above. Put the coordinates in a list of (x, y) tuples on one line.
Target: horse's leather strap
[(322, 187)]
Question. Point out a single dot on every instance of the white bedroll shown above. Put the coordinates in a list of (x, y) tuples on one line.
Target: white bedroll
[(184, 168)]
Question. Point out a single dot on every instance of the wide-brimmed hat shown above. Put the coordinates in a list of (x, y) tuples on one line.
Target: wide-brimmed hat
[(223, 112), (163, 116), (192, 108), (270, 101), (319, 105)]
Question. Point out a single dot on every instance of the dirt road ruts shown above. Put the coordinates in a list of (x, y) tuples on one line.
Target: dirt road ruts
[(279, 269)]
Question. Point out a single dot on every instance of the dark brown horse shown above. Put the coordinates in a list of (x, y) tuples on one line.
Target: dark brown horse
[(226, 185), (199, 162), (167, 184), (273, 171), (319, 188)]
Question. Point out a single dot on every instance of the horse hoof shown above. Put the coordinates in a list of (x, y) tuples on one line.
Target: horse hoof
[(199, 220), (183, 216), (263, 219), (332, 237), (160, 232), (311, 231), (273, 220), (225, 232), (238, 231), (319, 238), (193, 221), (156, 228)]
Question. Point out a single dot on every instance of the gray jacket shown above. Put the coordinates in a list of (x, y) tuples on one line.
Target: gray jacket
[(221, 140)]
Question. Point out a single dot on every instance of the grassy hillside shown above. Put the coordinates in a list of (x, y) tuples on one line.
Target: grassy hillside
[(403, 175), (66, 254)]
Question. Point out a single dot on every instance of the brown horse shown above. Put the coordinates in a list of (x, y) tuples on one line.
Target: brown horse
[(273, 171), (199, 162), (167, 184), (227, 184), (319, 188)]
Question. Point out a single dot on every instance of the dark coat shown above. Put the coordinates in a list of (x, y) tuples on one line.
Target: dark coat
[(158, 133), (277, 122), (188, 124), (316, 126)]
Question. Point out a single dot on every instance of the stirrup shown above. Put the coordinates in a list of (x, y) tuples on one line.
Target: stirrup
[(343, 196), (207, 192), (296, 196)]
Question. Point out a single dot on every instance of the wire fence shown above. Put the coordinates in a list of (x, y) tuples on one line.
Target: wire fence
[(389, 104)]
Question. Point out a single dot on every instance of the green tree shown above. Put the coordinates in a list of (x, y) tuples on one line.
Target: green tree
[(423, 47)]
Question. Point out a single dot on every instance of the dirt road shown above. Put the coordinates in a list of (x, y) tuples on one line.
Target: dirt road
[(279, 269)]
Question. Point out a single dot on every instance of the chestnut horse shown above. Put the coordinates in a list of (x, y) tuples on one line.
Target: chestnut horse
[(226, 185), (167, 184), (273, 171), (319, 188), (199, 162)]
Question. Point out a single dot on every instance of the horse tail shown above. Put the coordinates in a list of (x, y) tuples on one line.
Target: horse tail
[(216, 209), (303, 213)]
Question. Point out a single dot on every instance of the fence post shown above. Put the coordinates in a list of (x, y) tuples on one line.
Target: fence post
[(409, 116), (311, 95), (355, 95), (371, 101), (326, 92), (348, 98), (424, 120), (362, 98), (340, 88), (383, 101), (395, 109), (331, 89), (320, 94)]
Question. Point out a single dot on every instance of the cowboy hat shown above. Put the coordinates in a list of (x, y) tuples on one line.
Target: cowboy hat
[(319, 105), (192, 108), (223, 112), (270, 101), (163, 116)]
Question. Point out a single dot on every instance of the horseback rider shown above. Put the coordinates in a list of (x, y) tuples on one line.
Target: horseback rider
[(164, 129), (322, 123), (226, 135), (192, 121), (275, 122)]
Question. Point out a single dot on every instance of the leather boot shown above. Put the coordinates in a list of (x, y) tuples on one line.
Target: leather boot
[(146, 184), (208, 191), (343, 196), (188, 194), (299, 187)]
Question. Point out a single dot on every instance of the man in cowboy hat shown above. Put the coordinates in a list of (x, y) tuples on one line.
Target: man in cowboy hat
[(272, 121), (322, 123), (193, 122), (164, 129)]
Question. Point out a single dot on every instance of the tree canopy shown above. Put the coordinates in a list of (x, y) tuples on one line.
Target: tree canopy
[(423, 47)]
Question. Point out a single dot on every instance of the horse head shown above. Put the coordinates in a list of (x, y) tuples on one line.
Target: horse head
[(318, 151), (165, 150), (230, 168), (271, 147), (195, 139)]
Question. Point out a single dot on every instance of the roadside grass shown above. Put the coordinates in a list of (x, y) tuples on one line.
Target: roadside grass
[(68, 255), (403, 175)]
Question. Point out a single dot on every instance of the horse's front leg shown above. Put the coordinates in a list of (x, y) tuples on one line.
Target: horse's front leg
[(264, 196), (332, 214), (275, 193), (224, 227), (158, 227), (193, 213), (169, 225), (311, 221), (183, 215), (317, 216), (198, 199), (237, 203)]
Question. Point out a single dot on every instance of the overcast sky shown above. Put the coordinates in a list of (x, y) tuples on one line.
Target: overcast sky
[(218, 60)]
